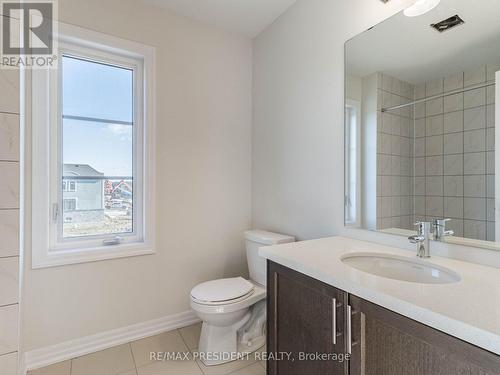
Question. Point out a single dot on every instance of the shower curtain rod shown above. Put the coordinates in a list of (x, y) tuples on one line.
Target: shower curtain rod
[(475, 87)]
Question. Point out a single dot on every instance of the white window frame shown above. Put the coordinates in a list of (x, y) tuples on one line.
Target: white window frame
[(49, 248), (355, 221), (68, 186), (71, 199)]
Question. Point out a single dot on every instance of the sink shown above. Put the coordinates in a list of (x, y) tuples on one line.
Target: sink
[(401, 268)]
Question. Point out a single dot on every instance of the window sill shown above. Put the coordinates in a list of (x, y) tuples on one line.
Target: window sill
[(67, 257)]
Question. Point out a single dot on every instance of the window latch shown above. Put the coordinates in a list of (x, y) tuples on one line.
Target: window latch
[(55, 212), (112, 241)]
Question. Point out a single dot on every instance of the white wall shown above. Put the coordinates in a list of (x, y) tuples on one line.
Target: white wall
[(297, 185), (203, 175)]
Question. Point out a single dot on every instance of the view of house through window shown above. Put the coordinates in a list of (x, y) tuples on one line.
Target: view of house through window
[(97, 148)]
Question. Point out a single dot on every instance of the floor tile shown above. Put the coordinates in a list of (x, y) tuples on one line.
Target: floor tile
[(226, 368), (191, 335), (170, 368), (131, 372), (112, 361), (165, 342), (255, 369), (62, 368)]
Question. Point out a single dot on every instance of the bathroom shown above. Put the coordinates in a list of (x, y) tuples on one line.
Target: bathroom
[(168, 158)]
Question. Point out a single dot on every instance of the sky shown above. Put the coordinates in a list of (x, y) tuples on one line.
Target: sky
[(103, 92)]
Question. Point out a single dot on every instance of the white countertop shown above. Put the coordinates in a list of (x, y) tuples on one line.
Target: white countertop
[(468, 310)]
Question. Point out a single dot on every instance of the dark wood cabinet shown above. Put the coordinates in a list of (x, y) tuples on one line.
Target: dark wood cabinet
[(302, 318), (305, 317), (386, 343)]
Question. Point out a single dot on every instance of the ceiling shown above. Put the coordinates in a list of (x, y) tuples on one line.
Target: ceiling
[(247, 17), (409, 49)]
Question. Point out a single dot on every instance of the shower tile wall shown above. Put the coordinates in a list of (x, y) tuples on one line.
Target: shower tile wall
[(455, 153), (9, 220), (394, 155)]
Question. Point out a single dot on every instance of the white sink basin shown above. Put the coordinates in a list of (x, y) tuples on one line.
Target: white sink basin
[(401, 268)]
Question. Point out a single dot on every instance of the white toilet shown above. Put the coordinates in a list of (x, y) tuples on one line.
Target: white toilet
[(233, 310)]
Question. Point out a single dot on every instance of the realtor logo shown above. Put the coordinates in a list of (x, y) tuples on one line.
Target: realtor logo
[(28, 33)]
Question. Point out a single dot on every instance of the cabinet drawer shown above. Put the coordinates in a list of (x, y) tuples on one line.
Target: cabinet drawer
[(8, 364), (9, 233), (9, 276), (8, 329)]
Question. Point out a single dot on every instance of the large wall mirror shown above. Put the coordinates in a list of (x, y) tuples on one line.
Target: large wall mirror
[(420, 123)]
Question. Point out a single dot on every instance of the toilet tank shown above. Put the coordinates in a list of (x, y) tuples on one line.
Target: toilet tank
[(258, 238)]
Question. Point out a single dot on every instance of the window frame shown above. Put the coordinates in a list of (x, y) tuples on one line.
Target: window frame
[(57, 240), (49, 247), (352, 107)]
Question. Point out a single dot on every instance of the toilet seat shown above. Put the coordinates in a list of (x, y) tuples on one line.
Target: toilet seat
[(226, 302), (222, 291), (257, 293)]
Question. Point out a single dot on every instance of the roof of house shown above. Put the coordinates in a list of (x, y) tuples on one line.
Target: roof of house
[(81, 170)]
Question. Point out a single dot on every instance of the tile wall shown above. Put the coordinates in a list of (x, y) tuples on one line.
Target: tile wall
[(394, 155), (9, 219), (455, 153)]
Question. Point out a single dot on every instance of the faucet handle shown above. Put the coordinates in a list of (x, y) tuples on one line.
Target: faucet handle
[(441, 222)]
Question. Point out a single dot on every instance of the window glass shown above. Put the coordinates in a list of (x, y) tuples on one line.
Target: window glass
[(97, 149), (97, 90), (351, 188)]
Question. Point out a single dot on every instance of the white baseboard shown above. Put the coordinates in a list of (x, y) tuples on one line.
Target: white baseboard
[(64, 351)]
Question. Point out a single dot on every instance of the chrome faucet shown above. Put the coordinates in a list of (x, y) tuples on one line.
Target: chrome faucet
[(439, 229), (422, 239)]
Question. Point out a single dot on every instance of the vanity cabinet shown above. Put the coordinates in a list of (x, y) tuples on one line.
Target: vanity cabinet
[(302, 317)]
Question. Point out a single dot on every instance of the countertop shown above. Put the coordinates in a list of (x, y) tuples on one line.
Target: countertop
[(468, 310)]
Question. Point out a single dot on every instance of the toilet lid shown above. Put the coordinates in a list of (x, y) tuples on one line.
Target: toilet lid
[(222, 290)]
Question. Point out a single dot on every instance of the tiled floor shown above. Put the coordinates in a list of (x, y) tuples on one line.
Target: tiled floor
[(134, 359)]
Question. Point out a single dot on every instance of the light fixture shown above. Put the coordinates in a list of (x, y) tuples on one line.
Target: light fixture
[(421, 7)]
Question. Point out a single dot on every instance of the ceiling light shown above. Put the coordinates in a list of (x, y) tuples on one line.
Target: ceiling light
[(421, 7)]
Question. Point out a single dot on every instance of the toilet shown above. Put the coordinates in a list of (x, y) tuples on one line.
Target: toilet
[(233, 310)]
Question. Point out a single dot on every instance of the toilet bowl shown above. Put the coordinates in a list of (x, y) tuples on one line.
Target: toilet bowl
[(233, 310)]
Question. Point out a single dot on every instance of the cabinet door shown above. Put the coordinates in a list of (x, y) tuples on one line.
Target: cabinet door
[(305, 316), (386, 343)]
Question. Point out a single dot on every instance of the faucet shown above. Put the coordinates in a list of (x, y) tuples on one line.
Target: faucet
[(439, 229), (422, 239)]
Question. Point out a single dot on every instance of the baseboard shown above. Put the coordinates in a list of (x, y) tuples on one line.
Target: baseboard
[(90, 344)]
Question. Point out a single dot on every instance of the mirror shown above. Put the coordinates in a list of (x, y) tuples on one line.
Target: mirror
[(420, 123)]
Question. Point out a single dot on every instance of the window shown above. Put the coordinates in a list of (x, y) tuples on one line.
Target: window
[(353, 162), (95, 136), (68, 185), (69, 204), (98, 153)]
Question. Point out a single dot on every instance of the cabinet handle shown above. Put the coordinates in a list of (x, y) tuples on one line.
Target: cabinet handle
[(334, 321), (349, 333)]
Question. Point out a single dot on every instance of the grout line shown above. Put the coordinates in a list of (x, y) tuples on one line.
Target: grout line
[(9, 256), (9, 113), (133, 358), (190, 350), (9, 305)]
